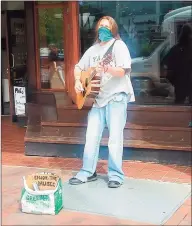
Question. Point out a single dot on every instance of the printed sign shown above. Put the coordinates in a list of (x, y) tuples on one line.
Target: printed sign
[(20, 100)]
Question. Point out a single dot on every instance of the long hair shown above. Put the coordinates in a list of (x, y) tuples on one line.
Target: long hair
[(186, 32), (114, 28)]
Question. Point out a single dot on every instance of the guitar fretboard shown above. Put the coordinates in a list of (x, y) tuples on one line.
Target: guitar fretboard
[(105, 61)]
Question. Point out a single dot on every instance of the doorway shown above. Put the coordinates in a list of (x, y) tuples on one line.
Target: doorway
[(56, 45), (13, 58), (17, 56)]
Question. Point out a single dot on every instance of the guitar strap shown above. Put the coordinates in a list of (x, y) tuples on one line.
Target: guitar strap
[(109, 51)]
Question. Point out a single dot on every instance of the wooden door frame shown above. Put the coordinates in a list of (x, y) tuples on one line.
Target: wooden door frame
[(71, 43), (8, 66), (31, 54)]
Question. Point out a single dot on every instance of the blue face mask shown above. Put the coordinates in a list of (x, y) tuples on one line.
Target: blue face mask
[(104, 34)]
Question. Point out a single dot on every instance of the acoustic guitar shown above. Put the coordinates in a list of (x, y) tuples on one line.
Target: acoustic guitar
[(86, 78)]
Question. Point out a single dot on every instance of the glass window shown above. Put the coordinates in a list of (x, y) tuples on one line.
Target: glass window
[(51, 51), (149, 29)]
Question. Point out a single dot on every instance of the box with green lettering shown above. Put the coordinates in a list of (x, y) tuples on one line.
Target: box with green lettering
[(42, 194)]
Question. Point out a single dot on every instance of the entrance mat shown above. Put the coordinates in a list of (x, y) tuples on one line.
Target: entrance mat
[(145, 201)]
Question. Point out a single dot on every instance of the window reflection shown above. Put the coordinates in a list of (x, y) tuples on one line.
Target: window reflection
[(150, 29), (47, 2), (51, 48)]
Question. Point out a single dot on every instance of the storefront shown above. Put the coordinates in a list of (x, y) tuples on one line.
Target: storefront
[(141, 26), (149, 30)]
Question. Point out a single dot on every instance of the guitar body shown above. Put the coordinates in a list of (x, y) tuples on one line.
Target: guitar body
[(91, 83), (88, 89)]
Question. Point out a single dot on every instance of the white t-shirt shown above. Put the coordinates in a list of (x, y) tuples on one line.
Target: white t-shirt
[(110, 85)]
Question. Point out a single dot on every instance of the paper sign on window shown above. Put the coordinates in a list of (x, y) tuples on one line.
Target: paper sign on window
[(20, 100)]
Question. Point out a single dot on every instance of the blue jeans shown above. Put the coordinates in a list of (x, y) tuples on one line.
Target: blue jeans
[(114, 114)]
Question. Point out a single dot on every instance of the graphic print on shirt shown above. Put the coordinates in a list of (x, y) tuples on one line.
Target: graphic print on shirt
[(96, 59)]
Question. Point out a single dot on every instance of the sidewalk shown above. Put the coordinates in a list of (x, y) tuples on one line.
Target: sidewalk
[(13, 158)]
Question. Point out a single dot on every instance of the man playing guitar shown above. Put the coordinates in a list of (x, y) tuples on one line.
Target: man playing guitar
[(110, 106)]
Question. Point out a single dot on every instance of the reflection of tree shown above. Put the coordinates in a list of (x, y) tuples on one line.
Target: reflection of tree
[(50, 27), (87, 30)]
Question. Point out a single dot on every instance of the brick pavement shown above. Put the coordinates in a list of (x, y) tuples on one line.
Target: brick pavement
[(13, 155)]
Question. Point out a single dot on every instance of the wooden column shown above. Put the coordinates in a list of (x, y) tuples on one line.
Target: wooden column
[(30, 36), (71, 46)]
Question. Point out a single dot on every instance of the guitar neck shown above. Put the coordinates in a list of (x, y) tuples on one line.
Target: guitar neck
[(94, 72), (105, 61)]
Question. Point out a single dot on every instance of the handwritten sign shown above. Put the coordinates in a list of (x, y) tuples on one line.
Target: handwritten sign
[(42, 181), (20, 100)]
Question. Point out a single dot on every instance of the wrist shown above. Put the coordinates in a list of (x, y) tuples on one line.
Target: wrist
[(108, 69)]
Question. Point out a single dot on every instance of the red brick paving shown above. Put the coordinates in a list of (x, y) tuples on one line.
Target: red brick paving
[(13, 154), (182, 216)]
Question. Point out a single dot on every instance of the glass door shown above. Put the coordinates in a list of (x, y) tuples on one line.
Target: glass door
[(50, 47), (17, 52)]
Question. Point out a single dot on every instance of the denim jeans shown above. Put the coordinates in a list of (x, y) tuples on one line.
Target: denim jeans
[(114, 115)]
